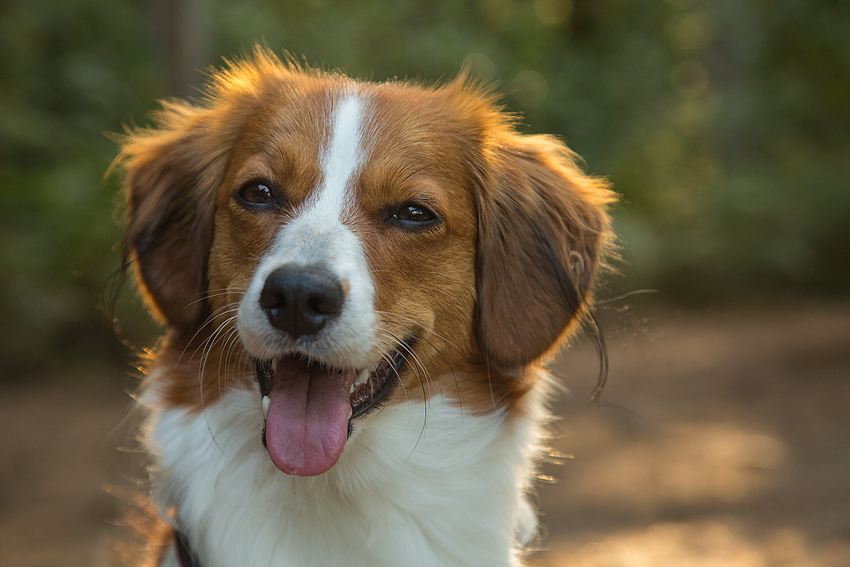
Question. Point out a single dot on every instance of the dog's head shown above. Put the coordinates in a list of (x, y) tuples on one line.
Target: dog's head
[(346, 245)]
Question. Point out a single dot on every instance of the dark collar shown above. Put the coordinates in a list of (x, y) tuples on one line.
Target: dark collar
[(184, 551)]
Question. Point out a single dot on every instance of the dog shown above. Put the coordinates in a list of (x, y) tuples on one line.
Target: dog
[(360, 283)]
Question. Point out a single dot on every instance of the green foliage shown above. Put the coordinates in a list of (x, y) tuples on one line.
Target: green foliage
[(71, 72), (724, 124)]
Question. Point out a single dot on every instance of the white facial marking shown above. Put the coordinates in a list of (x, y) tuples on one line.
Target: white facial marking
[(342, 158), (316, 236)]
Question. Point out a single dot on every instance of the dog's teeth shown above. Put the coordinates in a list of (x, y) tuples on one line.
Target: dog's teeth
[(266, 402), (351, 390), (362, 378), (274, 365)]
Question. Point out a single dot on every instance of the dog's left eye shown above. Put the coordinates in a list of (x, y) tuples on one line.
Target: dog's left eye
[(413, 216), (257, 194), (413, 213)]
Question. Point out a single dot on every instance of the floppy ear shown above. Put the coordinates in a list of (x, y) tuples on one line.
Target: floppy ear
[(171, 176), (543, 227)]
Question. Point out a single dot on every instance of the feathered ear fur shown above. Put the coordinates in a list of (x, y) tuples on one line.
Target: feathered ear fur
[(172, 173), (171, 176), (543, 228)]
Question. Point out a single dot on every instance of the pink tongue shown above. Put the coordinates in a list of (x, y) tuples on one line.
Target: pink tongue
[(307, 422)]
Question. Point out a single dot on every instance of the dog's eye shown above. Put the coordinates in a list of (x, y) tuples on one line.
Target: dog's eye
[(413, 216), (257, 194), (413, 213)]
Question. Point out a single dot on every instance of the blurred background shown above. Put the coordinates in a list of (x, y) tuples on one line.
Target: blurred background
[(724, 435)]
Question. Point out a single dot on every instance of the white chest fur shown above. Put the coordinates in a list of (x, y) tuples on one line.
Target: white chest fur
[(417, 485)]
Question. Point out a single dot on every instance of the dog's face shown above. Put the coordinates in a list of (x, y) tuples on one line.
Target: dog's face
[(341, 246)]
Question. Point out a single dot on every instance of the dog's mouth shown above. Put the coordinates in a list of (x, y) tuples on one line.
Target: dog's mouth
[(308, 406)]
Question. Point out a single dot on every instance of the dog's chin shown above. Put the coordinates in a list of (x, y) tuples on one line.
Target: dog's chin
[(309, 406)]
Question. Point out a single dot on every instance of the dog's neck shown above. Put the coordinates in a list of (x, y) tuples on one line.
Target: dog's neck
[(420, 484)]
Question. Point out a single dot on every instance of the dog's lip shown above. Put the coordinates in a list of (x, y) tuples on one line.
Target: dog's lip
[(366, 395)]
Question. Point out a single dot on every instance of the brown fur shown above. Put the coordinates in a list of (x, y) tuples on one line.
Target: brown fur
[(488, 291), (542, 230)]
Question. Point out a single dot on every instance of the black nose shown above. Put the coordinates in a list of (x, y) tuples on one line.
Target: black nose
[(301, 300)]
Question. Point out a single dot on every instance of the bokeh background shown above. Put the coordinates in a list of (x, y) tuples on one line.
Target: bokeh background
[(724, 435)]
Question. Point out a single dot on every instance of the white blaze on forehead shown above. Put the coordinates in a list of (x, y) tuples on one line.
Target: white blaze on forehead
[(342, 157)]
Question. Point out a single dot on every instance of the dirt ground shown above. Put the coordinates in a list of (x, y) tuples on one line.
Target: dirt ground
[(722, 439)]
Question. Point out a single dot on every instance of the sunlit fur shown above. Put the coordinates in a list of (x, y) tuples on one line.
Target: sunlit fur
[(438, 474)]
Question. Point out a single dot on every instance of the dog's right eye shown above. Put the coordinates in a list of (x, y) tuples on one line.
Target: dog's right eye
[(257, 195)]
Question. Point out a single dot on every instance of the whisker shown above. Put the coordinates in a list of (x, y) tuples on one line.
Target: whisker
[(418, 362), (439, 352), (413, 367), (207, 342), (216, 293), (229, 343), (625, 295), (210, 318), (206, 350), (430, 330), (386, 356), (425, 405)]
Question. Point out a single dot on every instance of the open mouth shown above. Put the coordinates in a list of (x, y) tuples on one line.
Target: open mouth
[(308, 406)]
